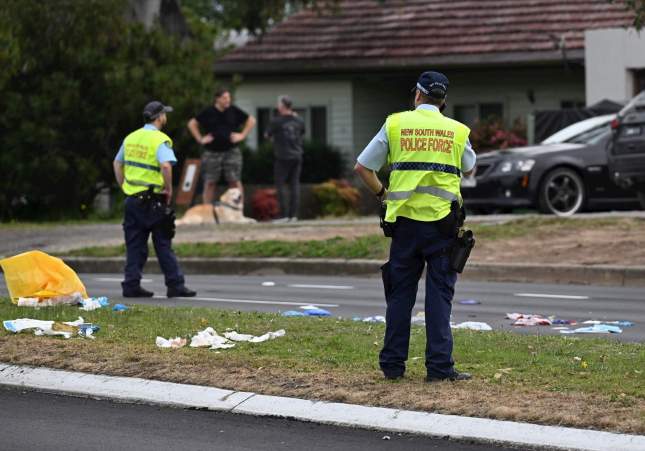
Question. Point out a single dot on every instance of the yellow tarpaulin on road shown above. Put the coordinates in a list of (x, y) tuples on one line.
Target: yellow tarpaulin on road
[(35, 274)]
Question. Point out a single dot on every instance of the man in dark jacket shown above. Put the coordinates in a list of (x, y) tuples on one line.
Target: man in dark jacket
[(287, 131)]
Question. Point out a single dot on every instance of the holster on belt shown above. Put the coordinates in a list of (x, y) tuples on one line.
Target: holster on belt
[(167, 225), (452, 227), (461, 250), (387, 227)]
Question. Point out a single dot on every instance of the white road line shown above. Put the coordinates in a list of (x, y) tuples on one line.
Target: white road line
[(330, 287), (112, 279), (252, 301), (551, 296)]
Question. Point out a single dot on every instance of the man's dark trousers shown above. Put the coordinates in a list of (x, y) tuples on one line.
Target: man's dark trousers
[(141, 219), (415, 244), (288, 171)]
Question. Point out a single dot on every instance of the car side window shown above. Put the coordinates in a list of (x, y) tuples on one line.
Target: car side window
[(593, 136)]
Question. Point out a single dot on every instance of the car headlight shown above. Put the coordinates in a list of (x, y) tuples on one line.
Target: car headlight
[(517, 166)]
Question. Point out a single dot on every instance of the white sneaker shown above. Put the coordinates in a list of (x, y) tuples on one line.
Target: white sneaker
[(294, 219), (280, 221)]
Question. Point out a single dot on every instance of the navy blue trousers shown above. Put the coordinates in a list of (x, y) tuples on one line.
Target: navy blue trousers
[(416, 244), (141, 220)]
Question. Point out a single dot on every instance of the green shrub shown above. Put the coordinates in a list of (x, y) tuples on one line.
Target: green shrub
[(336, 197)]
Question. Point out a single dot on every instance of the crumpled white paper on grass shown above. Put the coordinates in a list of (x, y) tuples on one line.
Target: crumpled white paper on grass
[(39, 327), (472, 325), (234, 336)]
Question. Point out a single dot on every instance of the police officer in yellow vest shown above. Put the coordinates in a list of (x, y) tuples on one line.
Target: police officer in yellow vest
[(143, 169), (427, 153)]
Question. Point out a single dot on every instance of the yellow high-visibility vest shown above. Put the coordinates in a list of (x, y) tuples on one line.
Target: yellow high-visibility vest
[(142, 170), (425, 150)]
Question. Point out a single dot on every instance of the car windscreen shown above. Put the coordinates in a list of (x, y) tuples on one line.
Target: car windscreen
[(593, 136)]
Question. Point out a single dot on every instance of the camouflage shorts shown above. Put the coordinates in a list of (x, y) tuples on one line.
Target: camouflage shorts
[(229, 162)]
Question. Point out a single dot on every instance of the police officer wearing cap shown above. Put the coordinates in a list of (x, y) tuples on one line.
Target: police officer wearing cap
[(427, 153), (143, 169)]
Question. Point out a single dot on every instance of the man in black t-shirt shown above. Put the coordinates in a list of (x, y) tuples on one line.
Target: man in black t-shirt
[(225, 125), (287, 131)]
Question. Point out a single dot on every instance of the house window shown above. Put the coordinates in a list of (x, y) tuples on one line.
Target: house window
[(318, 125), (470, 114), (315, 119), (264, 116), (639, 81), (466, 114), (491, 111), (571, 104)]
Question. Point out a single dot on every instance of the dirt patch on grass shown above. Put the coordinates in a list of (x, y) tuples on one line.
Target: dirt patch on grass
[(610, 242), (479, 398)]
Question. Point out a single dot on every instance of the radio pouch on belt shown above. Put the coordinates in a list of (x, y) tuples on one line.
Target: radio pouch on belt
[(461, 250)]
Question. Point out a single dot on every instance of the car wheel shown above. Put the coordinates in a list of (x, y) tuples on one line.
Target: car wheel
[(562, 193)]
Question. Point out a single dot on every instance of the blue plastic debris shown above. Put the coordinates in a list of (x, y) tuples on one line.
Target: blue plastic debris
[(120, 308), (88, 329), (469, 302), (292, 313), (595, 329), (317, 312)]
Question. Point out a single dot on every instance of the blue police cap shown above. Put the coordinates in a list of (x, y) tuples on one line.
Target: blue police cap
[(154, 109), (433, 84)]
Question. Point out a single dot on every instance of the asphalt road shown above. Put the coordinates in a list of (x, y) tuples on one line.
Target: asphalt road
[(351, 297), (33, 421)]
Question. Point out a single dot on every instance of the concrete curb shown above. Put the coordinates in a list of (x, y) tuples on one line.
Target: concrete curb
[(629, 276), (127, 389)]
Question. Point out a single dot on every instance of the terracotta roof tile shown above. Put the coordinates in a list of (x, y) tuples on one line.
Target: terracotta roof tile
[(366, 29)]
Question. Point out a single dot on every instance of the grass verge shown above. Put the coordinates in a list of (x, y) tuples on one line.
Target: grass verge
[(373, 246), (570, 381)]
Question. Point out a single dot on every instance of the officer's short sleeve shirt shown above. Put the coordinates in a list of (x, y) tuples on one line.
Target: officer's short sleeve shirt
[(374, 156)]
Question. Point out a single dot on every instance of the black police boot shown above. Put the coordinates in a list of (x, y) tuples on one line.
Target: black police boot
[(392, 377), (181, 292), (137, 292), (454, 376)]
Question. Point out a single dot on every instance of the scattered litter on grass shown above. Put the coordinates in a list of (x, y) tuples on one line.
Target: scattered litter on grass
[(571, 322), (209, 337), (419, 319), (595, 329), (374, 319), (234, 336), (312, 310), (176, 342), (615, 323), (90, 304), (524, 319), (119, 308), (268, 284), (64, 329), (472, 325), (469, 302), (37, 302), (292, 313)]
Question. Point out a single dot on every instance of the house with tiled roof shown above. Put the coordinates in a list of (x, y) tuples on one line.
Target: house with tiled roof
[(348, 68)]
